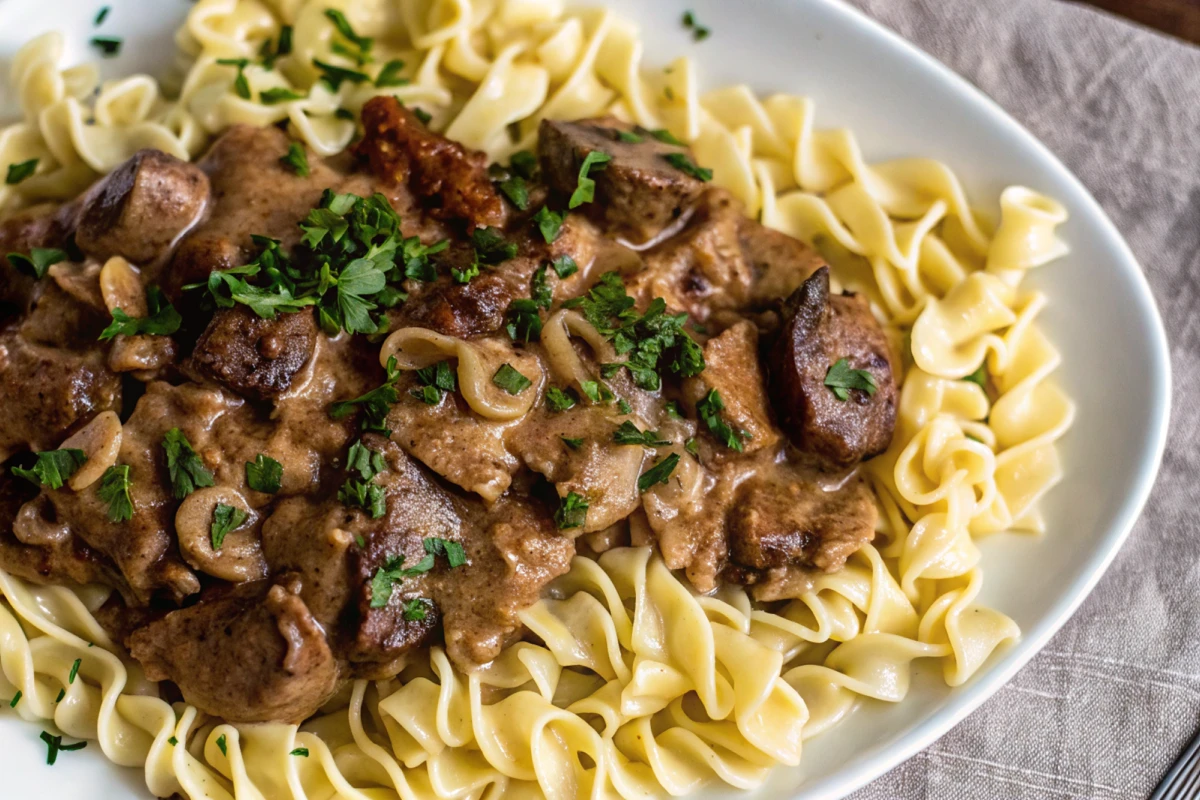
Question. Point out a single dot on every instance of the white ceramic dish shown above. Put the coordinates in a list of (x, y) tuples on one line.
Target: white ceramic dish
[(900, 102)]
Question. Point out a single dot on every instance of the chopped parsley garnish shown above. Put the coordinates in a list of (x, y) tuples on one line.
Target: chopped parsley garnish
[(100, 15), (264, 474), (114, 490), (659, 473), (596, 391), (524, 319), (491, 246), (163, 319), (549, 223), (681, 162), (53, 467), (187, 471), (628, 433), (978, 377), (302, 752), (624, 407), (390, 74), (644, 340), (663, 135), (362, 491), (172, 741), (435, 379), (280, 94), (628, 136), (375, 404), (16, 699), (270, 52), (222, 745), (452, 550), (709, 409), (74, 670), (365, 461), (240, 85), (572, 443), (226, 519), (692, 446), (841, 379), (514, 188), (511, 381), (38, 261), (415, 610), (585, 189), (672, 410), (525, 164), (362, 44), (699, 32), (392, 572), (564, 266), (108, 46), (422, 115), (416, 258), (572, 512), (20, 171), (334, 75), (558, 400), (61, 694), (56, 746)]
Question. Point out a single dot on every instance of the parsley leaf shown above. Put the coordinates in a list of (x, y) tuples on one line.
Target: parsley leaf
[(367, 496), (627, 136), (549, 223), (114, 490), (564, 266), (558, 400), (38, 261), (392, 572), (663, 135), (515, 189), (524, 320), (628, 433), (363, 43), (226, 519), (270, 52), (491, 246), (108, 46), (841, 379), (659, 473), (681, 162), (53, 467), (574, 444), (585, 189), (280, 94), (414, 610), (979, 376), (525, 164), (21, 171), (163, 319), (101, 15), (455, 555), (334, 75), (222, 745), (436, 379), (300, 751), (240, 85), (365, 461), (375, 404), (264, 474), (624, 407), (187, 471), (596, 392), (709, 409), (390, 74), (56, 746), (572, 512), (510, 380)]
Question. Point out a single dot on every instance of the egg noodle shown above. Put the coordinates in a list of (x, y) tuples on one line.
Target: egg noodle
[(639, 687)]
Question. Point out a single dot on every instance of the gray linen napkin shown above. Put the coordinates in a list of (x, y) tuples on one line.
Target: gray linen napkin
[(1115, 696)]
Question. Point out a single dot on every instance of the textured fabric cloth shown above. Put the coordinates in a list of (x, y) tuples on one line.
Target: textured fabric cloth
[(1105, 708)]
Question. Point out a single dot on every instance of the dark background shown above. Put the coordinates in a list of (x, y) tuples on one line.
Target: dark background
[(1177, 17)]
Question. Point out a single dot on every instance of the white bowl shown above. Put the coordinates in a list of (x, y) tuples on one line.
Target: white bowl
[(899, 101)]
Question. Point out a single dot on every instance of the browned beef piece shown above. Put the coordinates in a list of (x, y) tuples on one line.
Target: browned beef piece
[(141, 207), (255, 357), (776, 524), (638, 192), (452, 179), (46, 392), (254, 654), (39, 226), (65, 309), (818, 331), (778, 263), (732, 369)]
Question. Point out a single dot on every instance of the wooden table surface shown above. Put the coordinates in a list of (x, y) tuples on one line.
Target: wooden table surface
[(1177, 17)]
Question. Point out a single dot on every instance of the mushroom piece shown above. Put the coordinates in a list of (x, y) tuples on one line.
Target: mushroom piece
[(239, 558), (121, 287), (100, 441)]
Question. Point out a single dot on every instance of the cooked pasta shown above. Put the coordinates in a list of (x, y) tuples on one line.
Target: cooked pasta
[(641, 687)]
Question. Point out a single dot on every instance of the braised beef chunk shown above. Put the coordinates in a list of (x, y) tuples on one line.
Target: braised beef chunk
[(39, 226), (820, 330), (141, 207), (255, 357), (778, 263), (253, 655), (452, 179), (732, 370), (47, 391), (638, 193)]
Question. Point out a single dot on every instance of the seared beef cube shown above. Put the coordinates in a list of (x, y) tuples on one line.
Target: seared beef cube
[(779, 263), (453, 180), (253, 655), (779, 524), (46, 392), (142, 207), (818, 331), (40, 226), (255, 357), (732, 369), (638, 192)]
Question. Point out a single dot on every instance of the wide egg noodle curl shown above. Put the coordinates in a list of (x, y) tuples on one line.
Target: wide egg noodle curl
[(640, 686)]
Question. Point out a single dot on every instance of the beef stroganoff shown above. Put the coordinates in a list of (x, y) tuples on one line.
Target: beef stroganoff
[(434, 400)]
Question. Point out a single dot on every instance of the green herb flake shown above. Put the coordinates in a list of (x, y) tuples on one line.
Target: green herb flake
[(278, 95), (389, 75), (572, 512), (241, 86), (424, 116), (114, 489), (375, 404), (978, 377), (61, 694), (186, 469), (841, 379), (684, 164), (709, 409), (74, 670), (452, 550), (659, 473), (392, 572), (671, 409), (663, 135), (596, 391), (16, 699), (302, 752), (624, 407), (21, 171), (101, 15), (585, 188), (628, 136), (264, 474), (222, 745), (491, 246), (564, 266), (628, 433), (362, 44), (549, 223), (511, 381), (109, 46), (692, 446), (572, 443), (53, 467), (226, 519), (525, 164), (515, 189), (39, 260), (162, 320), (334, 76), (55, 745), (558, 400), (173, 741)]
